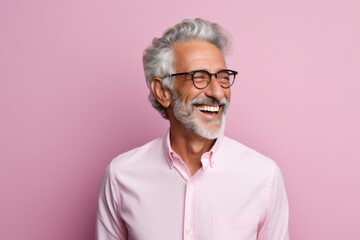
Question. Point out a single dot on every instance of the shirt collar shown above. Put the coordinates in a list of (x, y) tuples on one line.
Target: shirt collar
[(207, 159)]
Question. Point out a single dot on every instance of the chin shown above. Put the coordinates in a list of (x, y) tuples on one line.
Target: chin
[(201, 131)]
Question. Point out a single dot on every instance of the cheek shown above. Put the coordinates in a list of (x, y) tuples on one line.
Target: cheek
[(227, 94), (188, 92)]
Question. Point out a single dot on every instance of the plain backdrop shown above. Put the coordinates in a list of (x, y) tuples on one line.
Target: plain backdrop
[(73, 96)]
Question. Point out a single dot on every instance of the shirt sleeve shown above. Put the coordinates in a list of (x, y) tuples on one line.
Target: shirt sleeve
[(276, 221), (109, 224)]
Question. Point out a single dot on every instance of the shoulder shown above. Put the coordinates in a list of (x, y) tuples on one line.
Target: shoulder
[(240, 154), (138, 156)]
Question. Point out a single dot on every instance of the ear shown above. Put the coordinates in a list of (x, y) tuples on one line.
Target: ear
[(162, 94)]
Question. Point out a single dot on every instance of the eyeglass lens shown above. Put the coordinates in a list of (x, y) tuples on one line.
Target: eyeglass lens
[(202, 78)]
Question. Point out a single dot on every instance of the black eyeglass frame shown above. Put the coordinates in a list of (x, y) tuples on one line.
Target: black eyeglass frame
[(192, 74)]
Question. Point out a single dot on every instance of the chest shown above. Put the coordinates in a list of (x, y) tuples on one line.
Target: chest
[(217, 206)]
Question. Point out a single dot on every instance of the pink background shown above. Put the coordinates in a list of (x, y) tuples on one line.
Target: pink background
[(73, 96)]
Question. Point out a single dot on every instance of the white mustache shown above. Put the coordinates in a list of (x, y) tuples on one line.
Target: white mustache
[(210, 101)]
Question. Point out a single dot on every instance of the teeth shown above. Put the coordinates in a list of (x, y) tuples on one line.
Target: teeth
[(209, 108)]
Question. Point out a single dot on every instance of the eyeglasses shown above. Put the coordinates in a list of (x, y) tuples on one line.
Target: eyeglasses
[(201, 78)]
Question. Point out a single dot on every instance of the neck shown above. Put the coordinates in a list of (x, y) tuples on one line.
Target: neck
[(190, 147)]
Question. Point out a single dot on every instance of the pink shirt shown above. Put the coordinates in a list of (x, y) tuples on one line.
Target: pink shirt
[(148, 194)]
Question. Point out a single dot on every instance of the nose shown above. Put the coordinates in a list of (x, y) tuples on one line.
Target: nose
[(215, 90)]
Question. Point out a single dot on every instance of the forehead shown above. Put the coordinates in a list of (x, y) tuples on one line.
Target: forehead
[(197, 55)]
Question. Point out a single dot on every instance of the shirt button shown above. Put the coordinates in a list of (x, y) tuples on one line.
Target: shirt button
[(191, 186), (189, 230)]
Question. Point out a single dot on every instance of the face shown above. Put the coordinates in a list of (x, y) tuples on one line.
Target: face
[(200, 111)]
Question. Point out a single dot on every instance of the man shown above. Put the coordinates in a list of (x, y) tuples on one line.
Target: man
[(195, 183)]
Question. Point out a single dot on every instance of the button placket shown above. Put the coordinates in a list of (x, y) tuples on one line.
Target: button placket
[(189, 212)]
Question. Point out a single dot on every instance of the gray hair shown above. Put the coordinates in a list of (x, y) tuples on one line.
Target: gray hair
[(158, 58)]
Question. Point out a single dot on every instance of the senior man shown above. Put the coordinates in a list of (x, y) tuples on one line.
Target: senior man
[(194, 183)]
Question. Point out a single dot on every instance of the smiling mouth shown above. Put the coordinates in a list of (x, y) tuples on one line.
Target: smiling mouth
[(208, 109)]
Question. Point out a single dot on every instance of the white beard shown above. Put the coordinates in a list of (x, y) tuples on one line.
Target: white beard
[(184, 114)]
